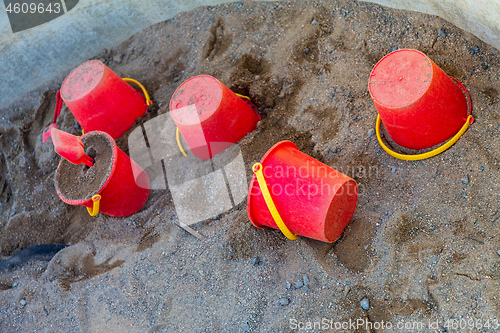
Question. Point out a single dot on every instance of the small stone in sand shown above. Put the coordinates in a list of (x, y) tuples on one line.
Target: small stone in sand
[(284, 301), (256, 261), (365, 304)]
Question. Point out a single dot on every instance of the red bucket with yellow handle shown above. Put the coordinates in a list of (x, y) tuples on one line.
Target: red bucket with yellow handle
[(419, 105), (299, 195), (115, 185)]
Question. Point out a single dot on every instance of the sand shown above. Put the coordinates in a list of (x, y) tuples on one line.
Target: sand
[(422, 244)]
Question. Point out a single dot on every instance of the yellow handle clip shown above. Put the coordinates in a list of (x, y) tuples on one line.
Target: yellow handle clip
[(257, 169), (95, 210), (148, 100)]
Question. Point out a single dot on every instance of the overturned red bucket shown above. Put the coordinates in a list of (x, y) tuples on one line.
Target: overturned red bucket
[(102, 101), (210, 116), (299, 195), (115, 185), (419, 105)]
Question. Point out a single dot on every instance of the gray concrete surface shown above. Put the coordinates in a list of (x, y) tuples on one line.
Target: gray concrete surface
[(31, 58)]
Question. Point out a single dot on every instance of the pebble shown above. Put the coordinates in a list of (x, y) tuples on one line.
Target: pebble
[(307, 52), (100, 299), (23, 303), (245, 327), (393, 169), (288, 285), (485, 66), (14, 285), (474, 50), (465, 180), (306, 288), (365, 304), (239, 4), (306, 280), (395, 48), (284, 301), (256, 261), (498, 252), (442, 33), (299, 284), (371, 132), (117, 58), (482, 168), (314, 22)]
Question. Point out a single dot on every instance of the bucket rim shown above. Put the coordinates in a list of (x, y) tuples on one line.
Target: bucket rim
[(429, 60), (184, 83), (271, 150), (113, 169), (102, 66)]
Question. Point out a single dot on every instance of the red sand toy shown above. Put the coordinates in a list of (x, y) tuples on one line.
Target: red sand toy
[(299, 195), (70, 147), (109, 186), (210, 116), (100, 100), (419, 105)]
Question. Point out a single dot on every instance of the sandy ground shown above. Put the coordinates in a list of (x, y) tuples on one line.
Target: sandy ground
[(421, 247)]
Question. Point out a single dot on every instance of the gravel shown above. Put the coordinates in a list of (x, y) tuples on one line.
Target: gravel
[(284, 302), (365, 304)]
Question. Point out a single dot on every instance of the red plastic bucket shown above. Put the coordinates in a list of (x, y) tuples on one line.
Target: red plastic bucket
[(210, 116), (313, 199), (420, 106), (100, 100), (111, 177)]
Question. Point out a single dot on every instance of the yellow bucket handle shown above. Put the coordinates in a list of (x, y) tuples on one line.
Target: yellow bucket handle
[(178, 137), (429, 154), (438, 150), (146, 95), (95, 210), (257, 169), (243, 96)]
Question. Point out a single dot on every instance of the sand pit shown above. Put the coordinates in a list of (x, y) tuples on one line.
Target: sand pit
[(421, 247)]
